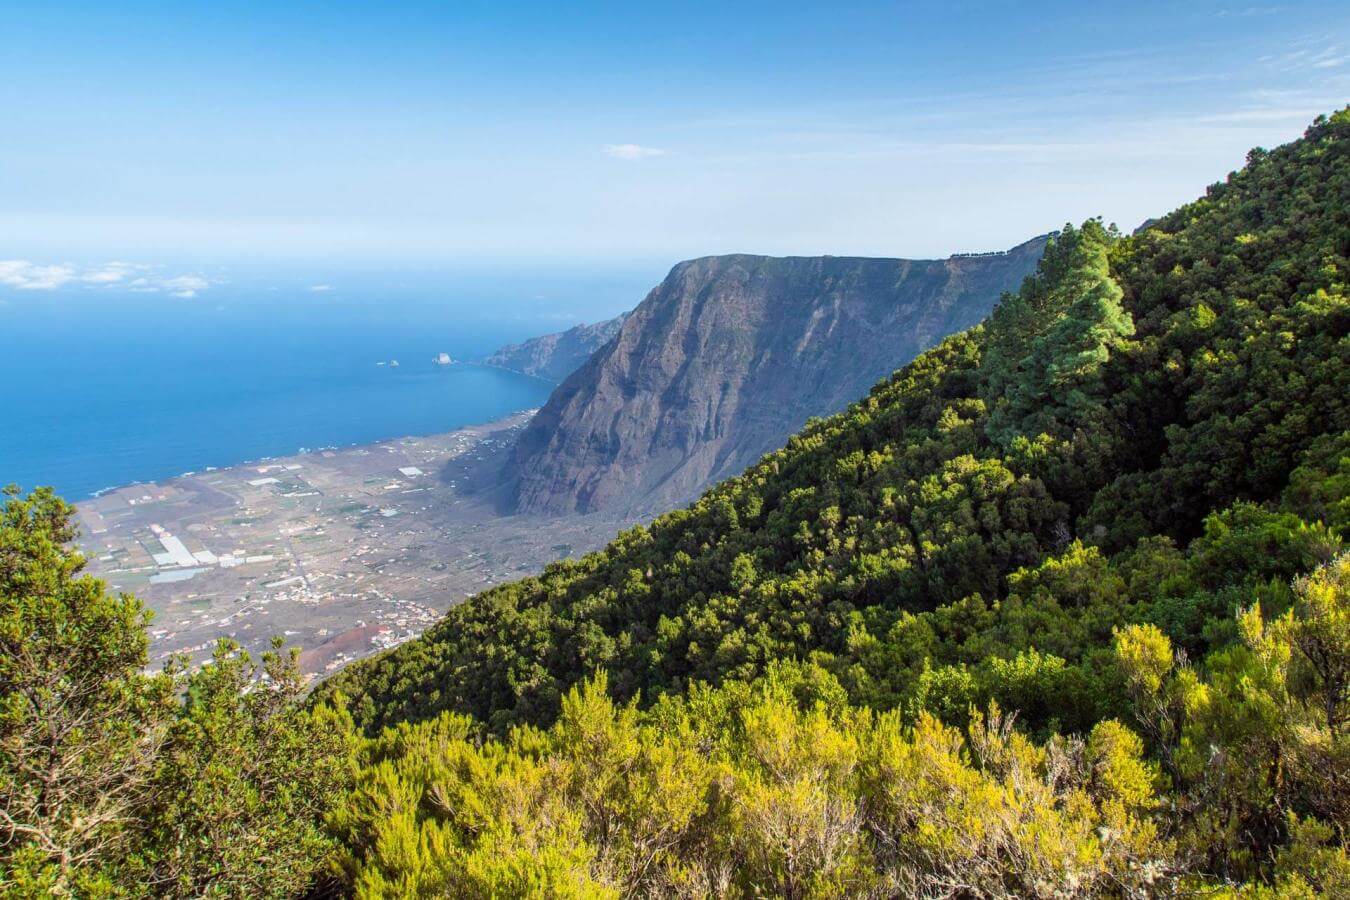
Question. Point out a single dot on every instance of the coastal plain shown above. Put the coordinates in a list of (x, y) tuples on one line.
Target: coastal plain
[(340, 552)]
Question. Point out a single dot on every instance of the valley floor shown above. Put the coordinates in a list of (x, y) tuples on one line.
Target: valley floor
[(341, 552)]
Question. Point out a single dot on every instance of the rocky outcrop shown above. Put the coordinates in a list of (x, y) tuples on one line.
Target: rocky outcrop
[(555, 356), (728, 357)]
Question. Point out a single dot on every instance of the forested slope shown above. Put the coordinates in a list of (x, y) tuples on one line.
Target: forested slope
[(1142, 433), (1061, 609)]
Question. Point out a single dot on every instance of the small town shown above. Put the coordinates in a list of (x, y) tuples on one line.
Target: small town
[(340, 552)]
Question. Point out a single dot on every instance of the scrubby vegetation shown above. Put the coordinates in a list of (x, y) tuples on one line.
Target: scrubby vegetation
[(117, 783), (1151, 430), (1093, 512), (780, 787), (1060, 609)]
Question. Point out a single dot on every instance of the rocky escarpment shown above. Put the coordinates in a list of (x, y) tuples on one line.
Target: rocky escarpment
[(555, 356), (730, 355)]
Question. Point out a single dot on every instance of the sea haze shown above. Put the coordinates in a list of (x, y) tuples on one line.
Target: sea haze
[(100, 389)]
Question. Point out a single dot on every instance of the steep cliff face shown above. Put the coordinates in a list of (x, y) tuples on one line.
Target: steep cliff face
[(555, 356), (730, 355)]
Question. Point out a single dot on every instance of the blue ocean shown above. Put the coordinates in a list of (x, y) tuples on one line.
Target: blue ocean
[(99, 390)]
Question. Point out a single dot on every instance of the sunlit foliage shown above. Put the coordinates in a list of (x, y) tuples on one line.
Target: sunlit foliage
[(1062, 608), (1116, 510), (117, 783)]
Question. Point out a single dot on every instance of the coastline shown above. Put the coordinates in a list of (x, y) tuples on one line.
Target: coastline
[(488, 365), (502, 420), (157, 424), (342, 551)]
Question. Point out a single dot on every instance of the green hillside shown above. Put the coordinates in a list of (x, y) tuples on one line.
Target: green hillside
[(1061, 609), (1139, 435)]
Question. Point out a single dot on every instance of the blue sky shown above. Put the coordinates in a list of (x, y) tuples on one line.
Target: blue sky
[(190, 138)]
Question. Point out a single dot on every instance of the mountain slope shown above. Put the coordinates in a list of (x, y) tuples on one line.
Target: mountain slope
[(1137, 394), (555, 356), (729, 356)]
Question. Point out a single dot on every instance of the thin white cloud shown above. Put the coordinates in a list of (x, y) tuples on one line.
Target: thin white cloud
[(631, 151), (1301, 115), (1316, 54), (185, 285), (320, 288), (112, 273), (24, 275), (1249, 11)]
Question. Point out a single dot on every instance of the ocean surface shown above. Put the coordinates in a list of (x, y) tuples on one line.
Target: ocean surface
[(98, 391)]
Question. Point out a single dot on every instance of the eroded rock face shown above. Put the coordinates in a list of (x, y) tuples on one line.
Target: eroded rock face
[(729, 356), (555, 356)]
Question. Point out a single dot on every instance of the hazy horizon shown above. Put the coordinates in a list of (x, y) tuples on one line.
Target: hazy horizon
[(195, 146)]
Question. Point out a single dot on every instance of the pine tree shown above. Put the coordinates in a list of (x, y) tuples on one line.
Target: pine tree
[(1048, 346)]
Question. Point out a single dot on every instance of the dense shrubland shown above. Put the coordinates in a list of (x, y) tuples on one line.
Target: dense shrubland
[(1060, 609), (114, 782), (1237, 771), (1098, 513), (1152, 430)]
